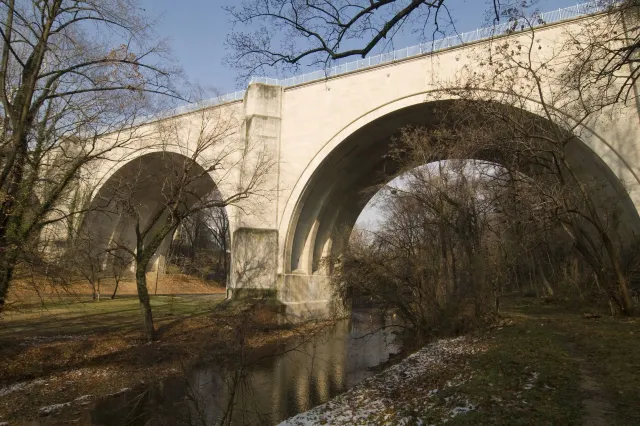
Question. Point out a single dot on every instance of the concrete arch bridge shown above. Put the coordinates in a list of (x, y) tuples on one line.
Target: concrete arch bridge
[(329, 138)]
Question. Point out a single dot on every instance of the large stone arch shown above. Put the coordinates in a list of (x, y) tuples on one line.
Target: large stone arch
[(328, 194), (140, 179)]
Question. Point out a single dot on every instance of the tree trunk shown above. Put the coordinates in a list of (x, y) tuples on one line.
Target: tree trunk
[(5, 277), (157, 273), (225, 268), (7, 265), (454, 273), (145, 303), (625, 298), (623, 287), (573, 275), (115, 290), (547, 290), (611, 297), (218, 265)]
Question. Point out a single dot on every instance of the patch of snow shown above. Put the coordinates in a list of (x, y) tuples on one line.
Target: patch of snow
[(50, 409), (375, 395), (20, 386), (84, 399), (532, 381), (456, 411), (121, 391)]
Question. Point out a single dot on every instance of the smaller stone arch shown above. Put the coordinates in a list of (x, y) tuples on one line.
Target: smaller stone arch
[(135, 189)]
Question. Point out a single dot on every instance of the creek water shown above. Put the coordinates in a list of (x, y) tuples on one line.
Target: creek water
[(284, 382)]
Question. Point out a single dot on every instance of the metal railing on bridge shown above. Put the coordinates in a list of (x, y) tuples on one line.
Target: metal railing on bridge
[(222, 99), (218, 100)]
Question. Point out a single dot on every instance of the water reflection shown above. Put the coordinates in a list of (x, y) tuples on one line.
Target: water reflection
[(269, 390)]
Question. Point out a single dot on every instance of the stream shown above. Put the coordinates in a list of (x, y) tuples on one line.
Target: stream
[(287, 381)]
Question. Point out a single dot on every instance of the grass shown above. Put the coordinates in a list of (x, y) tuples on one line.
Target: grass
[(611, 347), (73, 315), (525, 377), (534, 371)]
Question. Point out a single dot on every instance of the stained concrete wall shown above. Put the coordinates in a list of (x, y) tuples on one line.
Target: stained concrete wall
[(261, 131), (254, 262)]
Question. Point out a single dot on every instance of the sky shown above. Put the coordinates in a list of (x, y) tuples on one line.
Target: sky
[(196, 31)]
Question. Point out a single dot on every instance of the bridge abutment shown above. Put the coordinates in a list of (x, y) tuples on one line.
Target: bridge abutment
[(254, 243), (254, 263)]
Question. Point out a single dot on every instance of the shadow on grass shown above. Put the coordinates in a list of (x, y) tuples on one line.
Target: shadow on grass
[(92, 317), (34, 348)]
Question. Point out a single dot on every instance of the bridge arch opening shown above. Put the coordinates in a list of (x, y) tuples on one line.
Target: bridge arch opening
[(341, 186), (133, 195)]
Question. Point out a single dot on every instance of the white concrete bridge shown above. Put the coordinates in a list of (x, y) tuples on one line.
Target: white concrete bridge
[(329, 137)]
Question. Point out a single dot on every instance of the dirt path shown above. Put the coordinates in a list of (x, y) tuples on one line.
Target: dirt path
[(595, 400)]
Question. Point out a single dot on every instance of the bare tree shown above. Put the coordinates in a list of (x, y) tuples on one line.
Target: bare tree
[(155, 198), (88, 260), (283, 33), (427, 262), (536, 201), (70, 72), (544, 146), (218, 225), (605, 70), (201, 244), (120, 266), (539, 175)]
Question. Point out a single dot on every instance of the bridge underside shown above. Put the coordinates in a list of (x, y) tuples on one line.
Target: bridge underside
[(129, 198)]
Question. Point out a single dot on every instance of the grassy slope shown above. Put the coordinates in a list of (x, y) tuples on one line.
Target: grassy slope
[(526, 377), (533, 372), (610, 347)]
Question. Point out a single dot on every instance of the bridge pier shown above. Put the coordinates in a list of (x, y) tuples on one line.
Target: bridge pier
[(255, 241), (255, 276), (254, 263), (305, 296)]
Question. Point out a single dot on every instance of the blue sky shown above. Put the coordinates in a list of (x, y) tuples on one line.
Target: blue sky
[(196, 31)]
